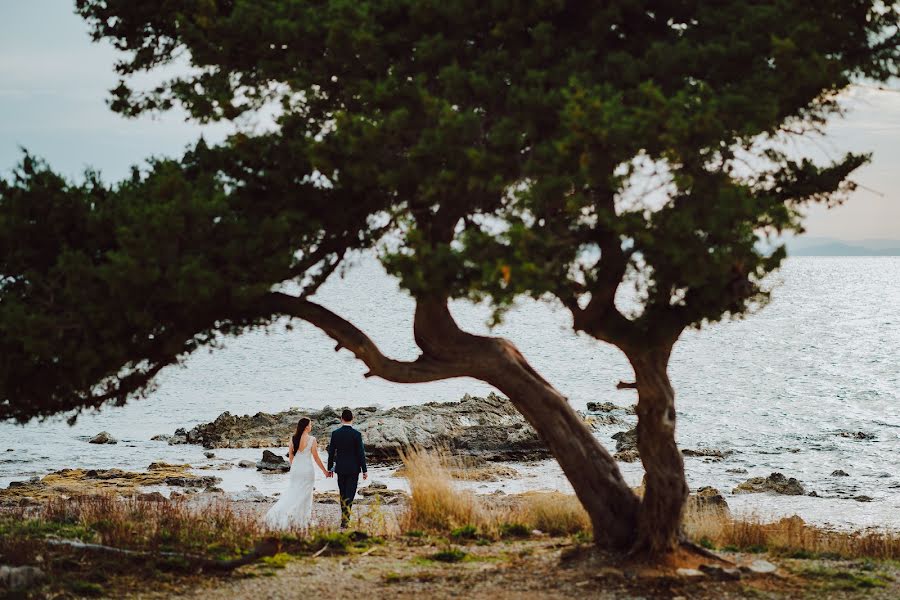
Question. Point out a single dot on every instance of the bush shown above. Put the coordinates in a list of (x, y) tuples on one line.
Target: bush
[(450, 555)]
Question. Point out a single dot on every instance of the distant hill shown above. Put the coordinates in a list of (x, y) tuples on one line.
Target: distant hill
[(834, 247)]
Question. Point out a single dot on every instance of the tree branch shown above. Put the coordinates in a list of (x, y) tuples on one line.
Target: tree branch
[(347, 335)]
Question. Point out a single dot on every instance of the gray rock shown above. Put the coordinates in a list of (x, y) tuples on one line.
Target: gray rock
[(488, 427), (712, 453), (204, 481), (776, 482), (628, 456), (761, 567), (863, 498), (721, 573), (248, 494), (708, 500), (856, 435), (20, 578), (739, 471), (161, 437), (690, 573), (103, 438), (246, 464), (209, 454), (273, 462), (626, 440), (597, 407), (840, 473)]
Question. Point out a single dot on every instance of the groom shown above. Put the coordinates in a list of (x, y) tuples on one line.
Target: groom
[(347, 458)]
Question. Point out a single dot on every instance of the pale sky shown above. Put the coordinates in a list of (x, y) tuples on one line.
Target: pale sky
[(54, 84)]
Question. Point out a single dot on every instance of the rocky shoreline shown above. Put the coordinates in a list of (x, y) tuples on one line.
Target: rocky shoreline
[(477, 437), (489, 428)]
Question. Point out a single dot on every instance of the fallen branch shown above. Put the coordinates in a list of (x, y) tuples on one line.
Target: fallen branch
[(321, 550), (626, 385)]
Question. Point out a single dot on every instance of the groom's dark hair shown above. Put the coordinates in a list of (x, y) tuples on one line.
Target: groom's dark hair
[(347, 415)]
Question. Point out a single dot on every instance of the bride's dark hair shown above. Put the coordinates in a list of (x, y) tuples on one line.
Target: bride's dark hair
[(301, 427)]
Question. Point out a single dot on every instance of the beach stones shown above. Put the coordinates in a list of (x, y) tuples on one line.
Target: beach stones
[(708, 500), (626, 440), (761, 567), (246, 464), (857, 435), (776, 483), (840, 473), (20, 578), (103, 438), (271, 462), (248, 494)]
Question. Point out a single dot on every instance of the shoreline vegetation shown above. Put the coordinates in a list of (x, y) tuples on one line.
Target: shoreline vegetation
[(439, 539)]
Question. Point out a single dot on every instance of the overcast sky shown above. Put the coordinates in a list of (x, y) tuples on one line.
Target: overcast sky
[(54, 83)]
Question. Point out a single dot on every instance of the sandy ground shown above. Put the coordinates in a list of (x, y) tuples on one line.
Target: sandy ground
[(544, 568)]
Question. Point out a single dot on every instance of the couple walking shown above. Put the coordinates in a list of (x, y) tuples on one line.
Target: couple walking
[(346, 459)]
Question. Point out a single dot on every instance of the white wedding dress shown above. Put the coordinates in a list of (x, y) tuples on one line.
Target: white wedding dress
[(294, 508)]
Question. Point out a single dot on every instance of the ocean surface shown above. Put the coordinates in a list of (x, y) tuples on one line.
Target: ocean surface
[(778, 388)]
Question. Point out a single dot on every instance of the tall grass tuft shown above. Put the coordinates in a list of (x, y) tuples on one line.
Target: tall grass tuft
[(790, 537), (552, 512), (435, 502), (147, 525)]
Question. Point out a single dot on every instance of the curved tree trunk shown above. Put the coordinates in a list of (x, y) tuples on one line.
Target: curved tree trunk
[(666, 490), (593, 473)]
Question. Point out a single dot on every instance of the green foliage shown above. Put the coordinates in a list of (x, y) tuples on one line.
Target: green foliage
[(536, 114)]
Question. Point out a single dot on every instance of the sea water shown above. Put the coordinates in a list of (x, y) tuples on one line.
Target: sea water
[(777, 389)]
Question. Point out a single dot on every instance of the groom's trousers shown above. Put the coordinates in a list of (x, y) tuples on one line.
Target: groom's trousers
[(347, 486)]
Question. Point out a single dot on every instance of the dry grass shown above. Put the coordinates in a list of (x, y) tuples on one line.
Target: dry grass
[(435, 502), (150, 525), (790, 537), (438, 504), (551, 512)]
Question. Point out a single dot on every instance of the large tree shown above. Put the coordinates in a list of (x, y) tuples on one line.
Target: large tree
[(497, 142)]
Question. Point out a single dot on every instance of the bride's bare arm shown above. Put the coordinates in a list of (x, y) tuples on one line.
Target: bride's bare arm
[(291, 451), (315, 453)]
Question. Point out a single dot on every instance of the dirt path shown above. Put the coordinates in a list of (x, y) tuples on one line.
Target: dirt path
[(527, 569)]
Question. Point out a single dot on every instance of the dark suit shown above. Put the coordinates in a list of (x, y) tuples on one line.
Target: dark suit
[(347, 458)]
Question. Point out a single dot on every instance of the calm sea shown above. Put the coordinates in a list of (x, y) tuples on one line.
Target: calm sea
[(778, 389)]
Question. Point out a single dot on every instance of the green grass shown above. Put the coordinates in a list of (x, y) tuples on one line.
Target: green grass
[(278, 561), (86, 588), (466, 532), (449, 555), (514, 530), (839, 579)]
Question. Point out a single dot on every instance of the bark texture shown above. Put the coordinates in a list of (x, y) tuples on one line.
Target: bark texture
[(666, 490)]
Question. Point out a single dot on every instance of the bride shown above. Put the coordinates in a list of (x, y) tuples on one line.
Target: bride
[(294, 509)]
